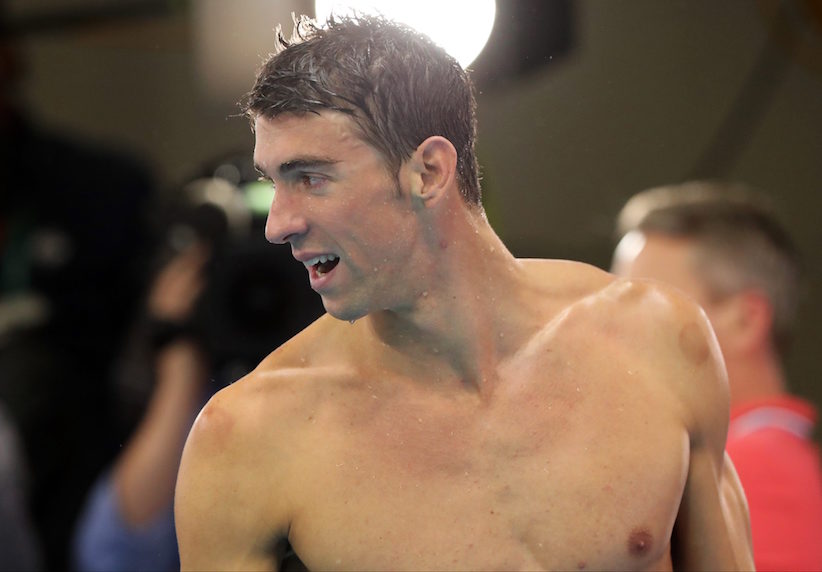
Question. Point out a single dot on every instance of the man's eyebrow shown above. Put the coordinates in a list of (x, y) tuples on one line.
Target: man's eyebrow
[(303, 164)]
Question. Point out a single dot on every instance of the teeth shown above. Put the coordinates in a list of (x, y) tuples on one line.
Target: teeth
[(320, 259)]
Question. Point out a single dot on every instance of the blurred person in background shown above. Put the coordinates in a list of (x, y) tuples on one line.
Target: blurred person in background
[(127, 523), (72, 232), (722, 245), (216, 302)]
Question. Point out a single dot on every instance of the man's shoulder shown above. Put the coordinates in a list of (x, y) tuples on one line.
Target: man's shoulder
[(643, 306), (656, 331), (668, 336), (267, 402), (319, 356), (656, 322), (566, 277), (593, 293)]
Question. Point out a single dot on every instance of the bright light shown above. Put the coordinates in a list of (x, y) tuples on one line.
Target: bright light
[(461, 27)]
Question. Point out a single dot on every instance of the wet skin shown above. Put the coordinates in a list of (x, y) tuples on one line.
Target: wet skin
[(482, 412)]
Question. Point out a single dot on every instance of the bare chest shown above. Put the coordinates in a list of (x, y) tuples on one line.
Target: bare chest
[(548, 476)]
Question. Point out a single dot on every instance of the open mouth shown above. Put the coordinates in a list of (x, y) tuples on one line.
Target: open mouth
[(323, 264)]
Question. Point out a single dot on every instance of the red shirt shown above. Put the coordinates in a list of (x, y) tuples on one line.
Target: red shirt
[(779, 466)]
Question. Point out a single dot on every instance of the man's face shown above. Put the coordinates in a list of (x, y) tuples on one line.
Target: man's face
[(339, 207)]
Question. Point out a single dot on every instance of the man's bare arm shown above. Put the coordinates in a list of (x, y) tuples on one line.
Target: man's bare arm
[(226, 509), (712, 530)]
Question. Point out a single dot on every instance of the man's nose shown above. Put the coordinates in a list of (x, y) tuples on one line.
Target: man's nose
[(285, 220)]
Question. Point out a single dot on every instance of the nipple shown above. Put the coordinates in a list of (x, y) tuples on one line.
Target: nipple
[(640, 542)]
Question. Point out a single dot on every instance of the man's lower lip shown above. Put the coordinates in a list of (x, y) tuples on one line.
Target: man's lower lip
[(316, 278)]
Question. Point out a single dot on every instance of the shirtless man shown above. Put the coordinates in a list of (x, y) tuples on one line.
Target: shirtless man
[(457, 408)]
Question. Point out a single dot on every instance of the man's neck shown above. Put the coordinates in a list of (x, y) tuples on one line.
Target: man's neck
[(468, 317)]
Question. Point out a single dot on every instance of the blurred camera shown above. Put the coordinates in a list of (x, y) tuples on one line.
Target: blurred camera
[(256, 295)]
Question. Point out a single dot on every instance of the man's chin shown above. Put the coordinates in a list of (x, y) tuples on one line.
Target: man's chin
[(344, 314)]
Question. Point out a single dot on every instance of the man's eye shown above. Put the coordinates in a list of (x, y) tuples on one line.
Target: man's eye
[(312, 180)]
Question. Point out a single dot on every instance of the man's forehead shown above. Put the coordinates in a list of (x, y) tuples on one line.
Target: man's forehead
[(281, 138)]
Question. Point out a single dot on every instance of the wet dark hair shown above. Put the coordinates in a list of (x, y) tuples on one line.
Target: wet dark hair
[(739, 239), (395, 83)]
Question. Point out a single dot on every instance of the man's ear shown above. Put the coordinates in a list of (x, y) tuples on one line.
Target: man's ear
[(431, 170), (752, 320)]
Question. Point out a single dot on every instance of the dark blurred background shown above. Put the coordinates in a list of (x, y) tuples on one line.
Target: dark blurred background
[(581, 104)]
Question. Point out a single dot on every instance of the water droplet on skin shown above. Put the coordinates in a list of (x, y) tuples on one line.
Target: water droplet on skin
[(502, 335), (376, 269), (578, 390), (302, 360), (351, 321), (425, 294), (419, 419), (493, 249)]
